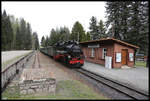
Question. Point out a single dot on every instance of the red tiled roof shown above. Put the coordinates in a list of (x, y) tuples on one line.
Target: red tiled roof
[(116, 40)]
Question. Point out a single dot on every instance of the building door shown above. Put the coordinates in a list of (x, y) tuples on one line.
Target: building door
[(124, 56)]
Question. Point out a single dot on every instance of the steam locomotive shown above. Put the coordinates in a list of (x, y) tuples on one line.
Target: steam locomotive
[(68, 52)]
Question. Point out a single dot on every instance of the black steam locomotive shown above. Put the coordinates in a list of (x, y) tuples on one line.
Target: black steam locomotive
[(68, 52)]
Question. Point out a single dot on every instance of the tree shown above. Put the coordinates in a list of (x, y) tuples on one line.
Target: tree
[(114, 18), (47, 41), (102, 30), (4, 42), (10, 35), (16, 34), (130, 22), (54, 36), (18, 39), (139, 26), (28, 43), (118, 14), (23, 32), (14, 24), (35, 41), (94, 28), (43, 41), (137, 32), (78, 32), (64, 34), (88, 36), (7, 32)]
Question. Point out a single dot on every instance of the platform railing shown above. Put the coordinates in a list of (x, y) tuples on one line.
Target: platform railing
[(11, 71)]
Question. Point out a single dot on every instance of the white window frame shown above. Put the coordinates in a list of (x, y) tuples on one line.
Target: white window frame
[(118, 57), (92, 52), (131, 57), (104, 53)]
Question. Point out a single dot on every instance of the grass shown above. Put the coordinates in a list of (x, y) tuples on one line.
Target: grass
[(140, 63), (11, 93), (68, 89), (4, 64)]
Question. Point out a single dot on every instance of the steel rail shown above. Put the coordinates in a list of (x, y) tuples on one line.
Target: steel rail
[(132, 93), (33, 65), (38, 59)]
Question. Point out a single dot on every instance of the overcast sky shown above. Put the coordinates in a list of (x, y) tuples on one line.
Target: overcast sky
[(43, 16)]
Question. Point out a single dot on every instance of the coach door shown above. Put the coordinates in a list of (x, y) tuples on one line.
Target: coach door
[(124, 56)]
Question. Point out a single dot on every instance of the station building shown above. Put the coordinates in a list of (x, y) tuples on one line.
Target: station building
[(121, 53)]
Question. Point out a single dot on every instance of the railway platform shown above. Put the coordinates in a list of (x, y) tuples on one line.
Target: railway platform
[(136, 78), (10, 57)]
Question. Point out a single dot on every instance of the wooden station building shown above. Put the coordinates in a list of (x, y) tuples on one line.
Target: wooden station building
[(122, 53)]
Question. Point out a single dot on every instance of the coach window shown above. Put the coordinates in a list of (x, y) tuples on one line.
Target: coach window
[(93, 52), (104, 53)]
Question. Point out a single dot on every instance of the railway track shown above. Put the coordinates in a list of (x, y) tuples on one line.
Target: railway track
[(36, 62), (131, 93)]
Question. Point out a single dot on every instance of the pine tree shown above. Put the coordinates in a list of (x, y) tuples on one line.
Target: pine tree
[(54, 37), (15, 34), (78, 32), (130, 22), (35, 45), (43, 41), (10, 35), (14, 24), (28, 43), (113, 17), (102, 30), (125, 16), (23, 33), (7, 32), (94, 28), (47, 41), (4, 42), (139, 25), (88, 36), (18, 39), (64, 34)]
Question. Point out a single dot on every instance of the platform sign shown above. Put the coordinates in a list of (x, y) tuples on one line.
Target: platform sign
[(94, 46), (118, 57), (131, 56)]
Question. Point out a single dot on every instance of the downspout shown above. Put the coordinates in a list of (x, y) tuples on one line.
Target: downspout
[(134, 55)]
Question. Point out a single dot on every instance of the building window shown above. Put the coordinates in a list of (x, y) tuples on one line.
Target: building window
[(93, 52), (131, 56), (118, 57), (104, 53)]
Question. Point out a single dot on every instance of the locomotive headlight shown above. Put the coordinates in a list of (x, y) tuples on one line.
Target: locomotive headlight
[(69, 56)]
